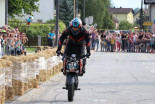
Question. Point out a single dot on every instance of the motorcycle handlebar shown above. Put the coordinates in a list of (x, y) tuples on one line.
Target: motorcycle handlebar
[(82, 56)]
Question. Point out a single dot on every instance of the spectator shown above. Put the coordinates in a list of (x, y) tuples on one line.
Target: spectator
[(123, 41), (108, 41), (93, 39), (112, 42), (51, 37), (96, 41)]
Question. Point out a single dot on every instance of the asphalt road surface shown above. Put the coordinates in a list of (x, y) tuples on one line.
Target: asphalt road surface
[(111, 78)]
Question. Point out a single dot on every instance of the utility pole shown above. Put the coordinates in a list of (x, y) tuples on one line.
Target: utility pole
[(57, 22), (83, 10), (6, 12), (141, 15), (74, 8)]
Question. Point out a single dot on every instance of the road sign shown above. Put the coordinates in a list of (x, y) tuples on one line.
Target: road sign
[(149, 1), (148, 23)]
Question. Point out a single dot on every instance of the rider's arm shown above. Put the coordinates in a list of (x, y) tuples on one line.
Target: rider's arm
[(62, 38)]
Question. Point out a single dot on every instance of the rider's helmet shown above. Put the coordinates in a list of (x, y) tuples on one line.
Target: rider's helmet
[(76, 24)]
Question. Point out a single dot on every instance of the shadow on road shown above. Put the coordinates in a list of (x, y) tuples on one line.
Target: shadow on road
[(47, 102)]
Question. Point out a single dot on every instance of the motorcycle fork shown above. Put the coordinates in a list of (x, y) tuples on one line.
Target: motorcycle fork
[(81, 65), (72, 79)]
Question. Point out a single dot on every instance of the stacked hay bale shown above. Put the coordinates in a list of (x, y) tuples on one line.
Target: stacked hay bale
[(49, 63), (31, 71), (19, 74), (42, 70), (2, 83), (9, 90), (45, 64)]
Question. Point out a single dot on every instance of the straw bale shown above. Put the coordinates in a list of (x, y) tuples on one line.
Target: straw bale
[(9, 93), (37, 77), (18, 87), (8, 76), (2, 94), (50, 72), (43, 75), (26, 87), (33, 83)]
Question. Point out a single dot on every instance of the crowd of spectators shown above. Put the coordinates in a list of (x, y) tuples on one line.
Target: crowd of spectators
[(137, 41), (12, 41)]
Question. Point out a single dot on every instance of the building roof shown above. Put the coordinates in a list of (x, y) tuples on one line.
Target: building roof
[(136, 10), (120, 10)]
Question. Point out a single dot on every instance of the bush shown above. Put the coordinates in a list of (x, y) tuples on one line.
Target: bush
[(124, 25), (36, 28)]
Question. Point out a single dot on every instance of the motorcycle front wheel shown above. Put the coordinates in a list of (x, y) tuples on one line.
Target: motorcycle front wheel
[(71, 91)]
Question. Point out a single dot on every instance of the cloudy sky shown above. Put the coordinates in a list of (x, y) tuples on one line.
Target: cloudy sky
[(126, 3)]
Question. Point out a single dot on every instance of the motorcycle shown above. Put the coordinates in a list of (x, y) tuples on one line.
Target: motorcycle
[(72, 68)]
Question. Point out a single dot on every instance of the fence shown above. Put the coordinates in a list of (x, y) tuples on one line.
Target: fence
[(33, 41)]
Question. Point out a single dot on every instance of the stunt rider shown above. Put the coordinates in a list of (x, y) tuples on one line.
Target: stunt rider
[(78, 38)]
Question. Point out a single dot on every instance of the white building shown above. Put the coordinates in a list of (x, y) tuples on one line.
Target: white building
[(2, 13), (47, 11)]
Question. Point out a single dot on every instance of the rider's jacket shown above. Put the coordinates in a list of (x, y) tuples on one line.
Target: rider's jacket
[(81, 38)]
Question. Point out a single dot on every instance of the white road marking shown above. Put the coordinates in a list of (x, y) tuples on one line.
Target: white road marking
[(152, 71), (98, 82), (147, 67), (97, 100)]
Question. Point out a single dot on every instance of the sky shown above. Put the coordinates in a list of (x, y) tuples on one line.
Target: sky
[(126, 3)]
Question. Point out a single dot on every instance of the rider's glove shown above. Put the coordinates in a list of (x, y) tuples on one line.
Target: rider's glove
[(58, 52)]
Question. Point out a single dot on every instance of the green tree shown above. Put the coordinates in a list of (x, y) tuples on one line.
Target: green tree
[(17, 7), (66, 11), (99, 10), (124, 25), (108, 21)]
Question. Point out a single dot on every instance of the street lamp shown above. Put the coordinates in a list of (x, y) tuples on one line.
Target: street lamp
[(141, 15)]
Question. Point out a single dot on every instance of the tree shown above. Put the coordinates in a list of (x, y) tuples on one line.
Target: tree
[(66, 11), (17, 7), (124, 25), (99, 10), (108, 21)]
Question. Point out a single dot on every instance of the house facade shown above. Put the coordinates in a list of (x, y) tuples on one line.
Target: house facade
[(136, 17), (47, 11), (122, 14), (2, 13)]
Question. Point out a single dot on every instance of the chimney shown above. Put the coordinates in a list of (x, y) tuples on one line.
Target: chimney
[(114, 7), (120, 7)]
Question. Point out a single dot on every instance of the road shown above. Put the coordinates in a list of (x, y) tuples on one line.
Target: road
[(111, 78)]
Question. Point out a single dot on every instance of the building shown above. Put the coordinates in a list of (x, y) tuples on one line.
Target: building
[(136, 16), (47, 11), (122, 14), (2, 13)]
